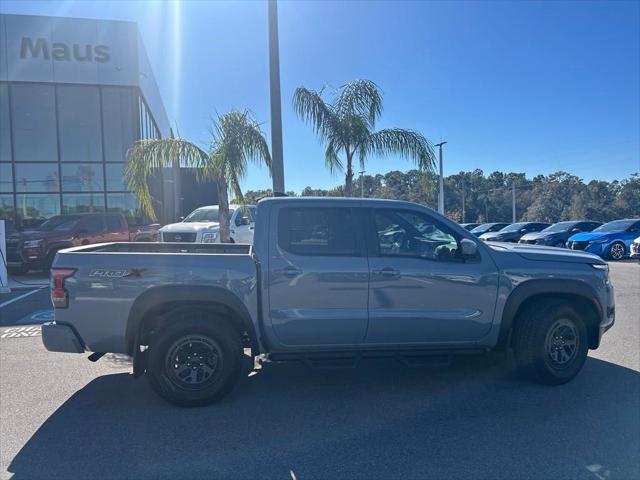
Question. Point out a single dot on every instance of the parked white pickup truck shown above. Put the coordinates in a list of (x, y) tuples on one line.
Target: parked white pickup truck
[(202, 226)]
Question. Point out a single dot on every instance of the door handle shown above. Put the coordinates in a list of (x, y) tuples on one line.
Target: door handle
[(288, 271), (387, 272)]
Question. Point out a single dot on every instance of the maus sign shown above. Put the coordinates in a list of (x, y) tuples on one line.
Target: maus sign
[(40, 48)]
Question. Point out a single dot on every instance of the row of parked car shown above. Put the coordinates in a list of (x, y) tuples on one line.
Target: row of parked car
[(613, 240), (36, 248)]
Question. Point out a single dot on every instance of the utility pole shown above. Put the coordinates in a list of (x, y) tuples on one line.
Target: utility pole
[(362, 172), (441, 182), (277, 162), (513, 202)]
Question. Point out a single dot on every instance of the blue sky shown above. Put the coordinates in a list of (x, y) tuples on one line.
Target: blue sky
[(531, 87)]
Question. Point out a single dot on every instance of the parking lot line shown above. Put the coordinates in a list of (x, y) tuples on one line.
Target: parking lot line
[(4, 304)]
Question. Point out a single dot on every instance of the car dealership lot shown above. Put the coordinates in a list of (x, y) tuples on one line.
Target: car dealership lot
[(62, 416)]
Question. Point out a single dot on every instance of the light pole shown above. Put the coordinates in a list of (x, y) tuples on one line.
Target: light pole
[(513, 202), (277, 162), (362, 172), (441, 182)]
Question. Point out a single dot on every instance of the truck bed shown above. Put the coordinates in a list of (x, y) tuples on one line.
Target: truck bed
[(112, 281), (155, 248)]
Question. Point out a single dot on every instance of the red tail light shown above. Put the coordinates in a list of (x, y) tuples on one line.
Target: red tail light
[(59, 295)]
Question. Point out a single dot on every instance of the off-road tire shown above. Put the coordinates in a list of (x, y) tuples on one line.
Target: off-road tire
[(531, 342), (199, 325)]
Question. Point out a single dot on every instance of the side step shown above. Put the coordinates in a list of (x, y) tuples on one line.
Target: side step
[(350, 359)]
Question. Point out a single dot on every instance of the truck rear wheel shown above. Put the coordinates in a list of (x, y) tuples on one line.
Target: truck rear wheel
[(195, 360), (550, 342)]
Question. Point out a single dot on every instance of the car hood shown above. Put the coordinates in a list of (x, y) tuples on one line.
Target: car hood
[(589, 236), (492, 235), (38, 234), (548, 254), (535, 236), (190, 226)]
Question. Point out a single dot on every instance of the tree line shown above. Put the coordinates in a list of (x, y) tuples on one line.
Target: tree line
[(476, 197)]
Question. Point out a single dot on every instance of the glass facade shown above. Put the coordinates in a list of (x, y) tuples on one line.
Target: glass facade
[(63, 149)]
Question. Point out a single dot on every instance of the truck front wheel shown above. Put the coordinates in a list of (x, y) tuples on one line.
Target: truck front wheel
[(195, 360), (550, 342)]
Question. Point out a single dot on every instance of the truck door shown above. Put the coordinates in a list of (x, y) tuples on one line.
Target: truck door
[(421, 289), (91, 230), (117, 229), (317, 276), (241, 226)]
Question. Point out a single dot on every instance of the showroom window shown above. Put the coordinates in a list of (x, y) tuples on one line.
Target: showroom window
[(6, 207), (37, 177), (5, 130), (82, 203), (115, 176), (33, 115), (80, 126), (82, 177), (34, 208), (119, 122), (126, 204), (6, 178)]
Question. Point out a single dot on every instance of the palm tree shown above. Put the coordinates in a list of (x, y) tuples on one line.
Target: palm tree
[(347, 127), (236, 139)]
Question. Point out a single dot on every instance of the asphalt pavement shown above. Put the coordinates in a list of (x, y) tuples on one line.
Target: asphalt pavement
[(62, 416)]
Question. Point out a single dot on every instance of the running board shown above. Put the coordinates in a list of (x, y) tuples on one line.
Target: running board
[(350, 359)]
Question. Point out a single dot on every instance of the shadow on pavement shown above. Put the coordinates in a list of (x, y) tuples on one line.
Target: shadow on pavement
[(381, 420)]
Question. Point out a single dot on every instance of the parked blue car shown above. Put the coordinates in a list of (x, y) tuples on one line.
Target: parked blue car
[(611, 240)]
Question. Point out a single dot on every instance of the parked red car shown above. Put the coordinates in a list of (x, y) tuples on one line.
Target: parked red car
[(36, 249)]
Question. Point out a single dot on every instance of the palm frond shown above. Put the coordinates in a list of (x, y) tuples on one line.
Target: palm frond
[(361, 97), (310, 106), (406, 143), (331, 159), (148, 156)]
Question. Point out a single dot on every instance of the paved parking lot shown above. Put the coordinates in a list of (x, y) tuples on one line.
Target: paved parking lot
[(62, 416)]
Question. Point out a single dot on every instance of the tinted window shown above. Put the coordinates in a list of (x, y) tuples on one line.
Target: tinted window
[(6, 177), (5, 131), (317, 231), (34, 123), (33, 208), (113, 223), (6, 208), (82, 177), (37, 177), (119, 114), (412, 234), (115, 176), (82, 203), (79, 117), (92, 224)]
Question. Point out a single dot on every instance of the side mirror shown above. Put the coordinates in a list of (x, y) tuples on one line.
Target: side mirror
[(468, 248), (245, 221), (575, 230), (181, 218), (80, 232), (523, 230)]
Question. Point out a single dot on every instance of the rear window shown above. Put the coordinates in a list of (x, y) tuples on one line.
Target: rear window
[(317, 231)]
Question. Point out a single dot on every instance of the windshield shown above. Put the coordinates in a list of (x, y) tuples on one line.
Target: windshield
[(482, 228), (59, 224), (559, 227), (615, 226), (513, 227), (205, 215)]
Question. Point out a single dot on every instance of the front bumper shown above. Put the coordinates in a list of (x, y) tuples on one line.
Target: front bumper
[(58, 337), (635, 250)]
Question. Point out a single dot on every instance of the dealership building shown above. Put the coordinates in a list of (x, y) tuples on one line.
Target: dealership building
[(75, 95)]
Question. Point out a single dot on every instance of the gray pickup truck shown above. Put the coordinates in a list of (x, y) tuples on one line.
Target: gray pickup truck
[(328, 281)]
